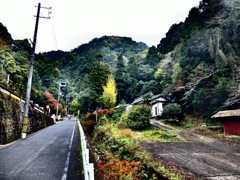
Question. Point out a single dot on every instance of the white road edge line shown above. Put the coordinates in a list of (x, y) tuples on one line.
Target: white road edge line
[(64, 176)]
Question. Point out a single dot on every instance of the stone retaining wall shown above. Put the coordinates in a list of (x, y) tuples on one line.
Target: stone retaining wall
[(11, 116)]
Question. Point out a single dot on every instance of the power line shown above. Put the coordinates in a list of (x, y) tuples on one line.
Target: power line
[(54, 34), (52, 25)]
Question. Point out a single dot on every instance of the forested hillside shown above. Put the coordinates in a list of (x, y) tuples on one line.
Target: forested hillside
[(203, 69), (14, 67), (196, 64)]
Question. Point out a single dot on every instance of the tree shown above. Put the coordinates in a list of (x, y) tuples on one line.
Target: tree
[(109, 93), (137, 118), (152, 57), (172, 110), (84, 99), (119, 77), (51, 101), (97, 78), (145, 72), (75, 106), (132, 68)]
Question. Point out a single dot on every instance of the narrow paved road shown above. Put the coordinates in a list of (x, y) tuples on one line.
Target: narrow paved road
[(49, 154)]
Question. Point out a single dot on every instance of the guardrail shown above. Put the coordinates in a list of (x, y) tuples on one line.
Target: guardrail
[(88, 167)]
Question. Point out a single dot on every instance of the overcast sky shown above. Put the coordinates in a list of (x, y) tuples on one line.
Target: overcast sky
[(75, 22)]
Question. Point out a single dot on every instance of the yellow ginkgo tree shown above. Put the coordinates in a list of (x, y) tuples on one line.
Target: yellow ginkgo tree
[(109, 96)]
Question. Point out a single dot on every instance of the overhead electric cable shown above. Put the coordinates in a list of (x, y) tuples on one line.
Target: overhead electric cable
[(52, 25), (54, 34)]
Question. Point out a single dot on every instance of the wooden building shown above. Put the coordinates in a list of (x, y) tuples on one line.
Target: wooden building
[(230, 120)]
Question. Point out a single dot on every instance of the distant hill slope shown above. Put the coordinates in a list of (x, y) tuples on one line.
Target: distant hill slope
[(196, 64), (109, 46), (5, 36), (77, 63), (14, 66)]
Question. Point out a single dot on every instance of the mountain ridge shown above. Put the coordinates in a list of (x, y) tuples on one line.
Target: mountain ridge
[(202, 69)]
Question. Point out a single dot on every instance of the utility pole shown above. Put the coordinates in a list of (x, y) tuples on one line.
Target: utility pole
[(61, 84), (29, 83), (59, 88)]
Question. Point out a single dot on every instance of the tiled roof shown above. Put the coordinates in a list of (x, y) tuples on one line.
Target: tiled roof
[(139, 99)]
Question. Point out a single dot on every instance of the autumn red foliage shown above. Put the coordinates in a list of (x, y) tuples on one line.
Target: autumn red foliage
[(88, 126), (119, 169), (51, 101), (101, 112)]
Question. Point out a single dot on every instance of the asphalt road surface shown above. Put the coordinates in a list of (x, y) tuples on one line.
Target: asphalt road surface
[(50, 154), (204, 157)]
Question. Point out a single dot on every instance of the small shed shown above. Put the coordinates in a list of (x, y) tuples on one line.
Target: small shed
[(230, 120)]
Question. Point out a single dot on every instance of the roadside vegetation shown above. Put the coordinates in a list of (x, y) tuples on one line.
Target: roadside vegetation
[(117, 146), (196, 66), (118, 136)]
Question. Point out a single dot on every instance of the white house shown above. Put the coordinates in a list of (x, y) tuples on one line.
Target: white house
[(155, 101), (157, 105), (128, 106)]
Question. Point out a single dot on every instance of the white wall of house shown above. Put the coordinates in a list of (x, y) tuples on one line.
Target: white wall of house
[(129, 106), (157, 109)]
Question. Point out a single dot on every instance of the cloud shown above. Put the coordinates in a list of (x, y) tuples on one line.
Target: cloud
[(75, 22)]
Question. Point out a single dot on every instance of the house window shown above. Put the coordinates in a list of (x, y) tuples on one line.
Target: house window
[(156, 111)]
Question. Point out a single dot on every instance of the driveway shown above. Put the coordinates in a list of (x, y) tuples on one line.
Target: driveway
[(203, 157)]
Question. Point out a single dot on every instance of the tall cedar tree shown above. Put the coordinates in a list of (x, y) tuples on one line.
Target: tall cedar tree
[(97, 78), (152, 57), (119, 78), (131, 80)]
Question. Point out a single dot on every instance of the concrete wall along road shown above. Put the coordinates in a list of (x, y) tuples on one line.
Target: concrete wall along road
[(11, 116)]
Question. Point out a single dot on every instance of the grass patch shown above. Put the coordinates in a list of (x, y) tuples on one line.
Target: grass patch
[(155, 134), (174, 124), (150, 134), (126, 132), (123, 144), (234, 137), (186, 124)]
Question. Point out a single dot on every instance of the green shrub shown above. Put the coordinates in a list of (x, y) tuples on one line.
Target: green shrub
[(116, 117), (172, 111), (137, 118), (123, 120), (190, 124)]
